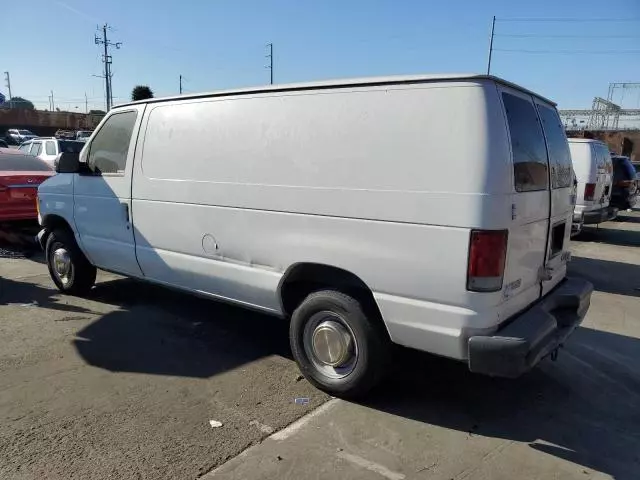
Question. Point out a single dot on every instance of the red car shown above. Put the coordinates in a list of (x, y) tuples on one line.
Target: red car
[(20, 176)]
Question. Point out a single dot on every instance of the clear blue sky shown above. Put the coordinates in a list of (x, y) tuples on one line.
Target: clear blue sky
[(216, 44)]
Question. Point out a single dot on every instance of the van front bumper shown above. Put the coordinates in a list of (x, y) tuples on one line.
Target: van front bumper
[(531, 336)]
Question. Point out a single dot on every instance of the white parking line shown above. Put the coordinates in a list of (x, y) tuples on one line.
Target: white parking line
[(371, 466), (298, 424)]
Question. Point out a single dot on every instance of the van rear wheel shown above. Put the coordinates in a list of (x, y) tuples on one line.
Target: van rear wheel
[(69, 268), (337, 347)]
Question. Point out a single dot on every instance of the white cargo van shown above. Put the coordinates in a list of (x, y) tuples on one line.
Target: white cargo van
[(594, 173), (343, 207)]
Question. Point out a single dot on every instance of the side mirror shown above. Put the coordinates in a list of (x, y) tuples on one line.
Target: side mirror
[(68, 162)]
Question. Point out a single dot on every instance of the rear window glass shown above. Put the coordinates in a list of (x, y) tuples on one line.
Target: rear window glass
[(558, 148), (22, 163), (527, 144)]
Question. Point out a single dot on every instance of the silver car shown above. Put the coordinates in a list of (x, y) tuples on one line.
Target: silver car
[(49, 148), (17, 136)]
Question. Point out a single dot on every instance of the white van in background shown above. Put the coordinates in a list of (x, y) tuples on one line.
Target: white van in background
[(340, 206), (594, 173)]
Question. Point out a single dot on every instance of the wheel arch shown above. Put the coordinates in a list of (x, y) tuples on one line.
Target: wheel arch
[(303, 278), (52, 221)]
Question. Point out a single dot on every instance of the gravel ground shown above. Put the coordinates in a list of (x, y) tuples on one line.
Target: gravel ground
[(124, 384)]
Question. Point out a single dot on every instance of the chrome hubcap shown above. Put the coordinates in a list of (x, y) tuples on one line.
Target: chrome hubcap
[(330, 345), (62, 265)]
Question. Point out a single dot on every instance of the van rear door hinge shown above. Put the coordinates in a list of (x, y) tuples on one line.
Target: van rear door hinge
[(513, 211)]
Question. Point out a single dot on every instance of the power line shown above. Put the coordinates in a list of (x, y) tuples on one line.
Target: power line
[(586, 52), (533, 35), (568, 20)]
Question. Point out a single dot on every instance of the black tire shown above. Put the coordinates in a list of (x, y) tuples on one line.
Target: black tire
[(373, 344), (82, 274)]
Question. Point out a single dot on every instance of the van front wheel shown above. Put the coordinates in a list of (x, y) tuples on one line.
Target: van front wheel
[(338, 349), (69, 268)]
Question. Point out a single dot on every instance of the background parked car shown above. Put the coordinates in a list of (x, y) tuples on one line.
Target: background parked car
[(65, 134), (48, 148), (16, 136), (3, 144), (83, 135), (593, 168), (20, 176), (625, 183)]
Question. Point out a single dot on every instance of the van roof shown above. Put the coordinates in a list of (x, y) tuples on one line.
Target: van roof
[(585, 140), (349, 82)]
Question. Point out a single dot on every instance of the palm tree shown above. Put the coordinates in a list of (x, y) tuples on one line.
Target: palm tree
[(141, 92)]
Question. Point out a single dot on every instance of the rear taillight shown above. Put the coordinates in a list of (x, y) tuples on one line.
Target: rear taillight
[(487, 253), (3, 188), (589, 191)]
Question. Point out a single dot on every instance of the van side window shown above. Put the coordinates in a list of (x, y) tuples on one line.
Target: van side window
[(109, 148), (527, 143), (559, 155)]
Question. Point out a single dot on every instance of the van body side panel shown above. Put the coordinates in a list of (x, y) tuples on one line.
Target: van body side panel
[(231, 192), (379, 154)]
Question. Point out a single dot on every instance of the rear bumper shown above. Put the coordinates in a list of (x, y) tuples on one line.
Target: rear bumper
[(600, 215), (534, 334)]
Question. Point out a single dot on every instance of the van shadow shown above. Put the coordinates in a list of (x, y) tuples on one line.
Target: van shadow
[(611, 236), (585, 408), (608, 276), (30, 295), (17, 240), (164, 332)]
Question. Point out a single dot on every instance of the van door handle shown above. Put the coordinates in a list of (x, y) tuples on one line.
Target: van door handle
[(126, 212)]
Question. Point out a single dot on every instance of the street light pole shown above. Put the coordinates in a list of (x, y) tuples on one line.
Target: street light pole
[(493, 27), (270, 66)]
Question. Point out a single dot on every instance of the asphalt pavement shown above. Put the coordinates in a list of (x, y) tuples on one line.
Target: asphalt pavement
[(140, 382)]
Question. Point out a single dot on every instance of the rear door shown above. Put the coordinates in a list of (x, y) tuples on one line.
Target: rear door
[(561, 208), (530, 202), (603, 174)]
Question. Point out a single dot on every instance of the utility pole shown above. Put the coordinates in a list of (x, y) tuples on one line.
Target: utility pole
[(86, 103), (106, 58), (493, 27), (8, 83), (270, 66), (53, 105), (180, 84)]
